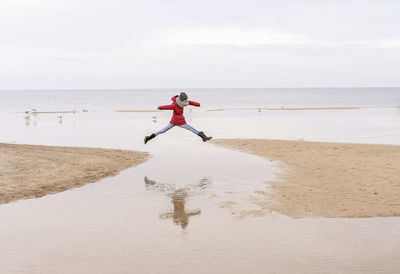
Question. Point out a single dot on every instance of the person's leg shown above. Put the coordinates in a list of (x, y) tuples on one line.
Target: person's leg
[(148, 138), (188, 127), (168, 127), (195, 131)]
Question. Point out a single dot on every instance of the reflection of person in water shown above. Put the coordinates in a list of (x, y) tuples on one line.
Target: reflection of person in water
[(179, 215)]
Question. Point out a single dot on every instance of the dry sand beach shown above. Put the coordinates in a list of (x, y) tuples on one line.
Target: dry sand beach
[(33, 171), (329, 179)]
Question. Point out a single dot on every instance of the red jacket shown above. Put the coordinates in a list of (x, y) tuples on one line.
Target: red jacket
[(177, 117)]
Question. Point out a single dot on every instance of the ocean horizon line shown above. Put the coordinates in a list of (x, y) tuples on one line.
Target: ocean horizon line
[(199, 88)]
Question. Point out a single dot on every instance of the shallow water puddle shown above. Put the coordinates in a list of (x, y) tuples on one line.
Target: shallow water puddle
[(219, 176)]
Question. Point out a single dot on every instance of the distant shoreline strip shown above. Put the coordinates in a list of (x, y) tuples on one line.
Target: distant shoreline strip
[(219, 109)]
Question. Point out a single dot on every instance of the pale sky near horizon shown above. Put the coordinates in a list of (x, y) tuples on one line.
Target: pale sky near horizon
[(47, 44)]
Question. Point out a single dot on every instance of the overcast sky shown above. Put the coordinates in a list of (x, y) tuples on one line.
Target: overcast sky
[(48, 44)]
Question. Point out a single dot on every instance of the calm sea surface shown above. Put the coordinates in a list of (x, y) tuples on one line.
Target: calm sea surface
[(111, 100)]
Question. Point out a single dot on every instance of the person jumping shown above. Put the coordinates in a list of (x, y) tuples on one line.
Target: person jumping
[(178, 103)]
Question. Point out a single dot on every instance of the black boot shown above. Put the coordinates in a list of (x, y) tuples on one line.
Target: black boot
[(204, 137), (148, 138)]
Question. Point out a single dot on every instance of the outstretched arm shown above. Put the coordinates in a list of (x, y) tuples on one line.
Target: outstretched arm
[(166, 107), (193, 103)]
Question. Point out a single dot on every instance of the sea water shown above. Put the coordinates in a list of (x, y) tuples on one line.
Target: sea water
[(140, 99)]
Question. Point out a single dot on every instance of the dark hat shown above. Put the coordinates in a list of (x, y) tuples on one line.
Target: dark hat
[(183, 96)]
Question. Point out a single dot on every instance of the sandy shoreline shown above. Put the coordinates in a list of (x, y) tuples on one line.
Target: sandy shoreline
[(329, 179), (28, 171)]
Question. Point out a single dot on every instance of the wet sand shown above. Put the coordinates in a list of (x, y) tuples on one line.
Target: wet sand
[(328, 179), (305, 108), (28, 171)]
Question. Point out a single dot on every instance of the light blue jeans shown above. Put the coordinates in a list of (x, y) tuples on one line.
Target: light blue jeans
[(185, 126)]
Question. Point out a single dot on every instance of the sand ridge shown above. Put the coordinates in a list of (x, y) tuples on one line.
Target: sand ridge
[(28, 171), (329, 179)]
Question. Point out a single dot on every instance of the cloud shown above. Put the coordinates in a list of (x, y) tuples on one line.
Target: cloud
[(227, 37), (209, 38), (384, 44), (378, 44), (24, 3)]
